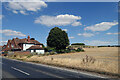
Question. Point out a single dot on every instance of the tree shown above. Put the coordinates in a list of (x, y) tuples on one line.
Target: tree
[(32, 39), (57, 39), (78, 44)]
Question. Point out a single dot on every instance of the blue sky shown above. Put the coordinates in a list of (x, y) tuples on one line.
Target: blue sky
[(90, 23)]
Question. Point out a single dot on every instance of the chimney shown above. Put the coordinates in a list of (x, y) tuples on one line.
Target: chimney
[(16, 37), (28, 39)]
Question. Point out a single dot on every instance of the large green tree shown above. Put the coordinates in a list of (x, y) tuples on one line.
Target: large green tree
[(57, 39)]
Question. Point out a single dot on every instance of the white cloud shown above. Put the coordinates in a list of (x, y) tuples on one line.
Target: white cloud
[(22, 0), (65, 30), (71, 37), (112, 33), (76, 24), (59, 20), (23, 7), (98, 42), (50, 0), (86, 34), (101, 26), (14, 11), (23, 12), (8, 32), (1, 16)]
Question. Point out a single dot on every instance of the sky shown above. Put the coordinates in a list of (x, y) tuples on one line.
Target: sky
[(92, 23)]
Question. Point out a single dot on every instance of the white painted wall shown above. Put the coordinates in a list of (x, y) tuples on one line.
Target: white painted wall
[(32, 51), (38, 51), (26, 46)]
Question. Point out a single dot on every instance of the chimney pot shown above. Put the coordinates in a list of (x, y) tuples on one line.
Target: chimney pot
[(28, 39)]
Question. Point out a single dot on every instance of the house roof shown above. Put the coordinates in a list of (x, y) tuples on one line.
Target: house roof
[(25, 40), (35, 47), (16, 42)]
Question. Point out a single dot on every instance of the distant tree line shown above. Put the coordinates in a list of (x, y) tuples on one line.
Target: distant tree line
[(77, 44), (110, 46)]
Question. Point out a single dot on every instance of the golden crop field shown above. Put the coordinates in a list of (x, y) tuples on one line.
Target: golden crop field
[(104, 59)]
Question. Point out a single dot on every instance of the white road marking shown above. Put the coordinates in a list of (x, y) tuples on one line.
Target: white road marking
[(65, 69), (20, 71), (48, 74)]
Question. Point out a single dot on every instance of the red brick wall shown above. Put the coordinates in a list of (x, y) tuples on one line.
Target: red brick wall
[(22, 52)]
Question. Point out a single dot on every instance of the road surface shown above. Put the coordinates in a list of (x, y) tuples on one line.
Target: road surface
[(19, 69)]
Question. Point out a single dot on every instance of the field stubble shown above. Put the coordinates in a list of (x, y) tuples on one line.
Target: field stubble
[(103, 59)]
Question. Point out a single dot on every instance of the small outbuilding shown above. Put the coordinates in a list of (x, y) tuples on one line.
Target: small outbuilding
[(36, 49)]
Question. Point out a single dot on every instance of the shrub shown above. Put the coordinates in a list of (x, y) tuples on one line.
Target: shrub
[(52, 53), (60, 51), (73, 51), (67, 51), (79, 50), (5, 53), (46, 49), (47, 53), (82, 50), (49, 49), (29, 56), (34, 53), (88, 59)]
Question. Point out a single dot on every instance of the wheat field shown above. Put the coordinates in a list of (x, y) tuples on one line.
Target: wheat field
[(104, 59)]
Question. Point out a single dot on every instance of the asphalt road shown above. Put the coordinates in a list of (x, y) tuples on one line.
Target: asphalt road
[(20, 70)]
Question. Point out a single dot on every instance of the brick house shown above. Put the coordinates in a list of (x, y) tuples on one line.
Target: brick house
[(26, 44)]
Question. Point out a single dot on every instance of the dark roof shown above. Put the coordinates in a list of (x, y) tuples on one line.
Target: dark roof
[(25, 40), (17, 40), (35, 47)]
